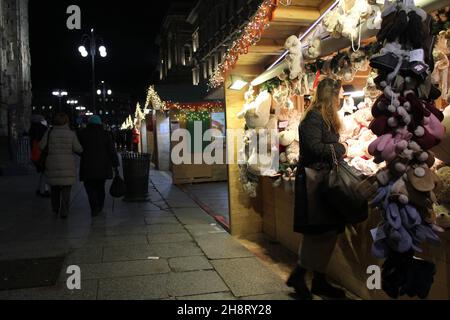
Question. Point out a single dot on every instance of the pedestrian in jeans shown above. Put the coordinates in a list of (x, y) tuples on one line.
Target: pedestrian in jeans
[(97, 162), (319, 224), (60, 167)]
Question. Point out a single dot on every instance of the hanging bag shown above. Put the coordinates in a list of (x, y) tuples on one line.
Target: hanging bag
[(341, 192), (118, 187), (42, 159)]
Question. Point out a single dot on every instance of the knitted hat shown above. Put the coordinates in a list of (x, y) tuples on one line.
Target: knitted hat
[(95, 120)]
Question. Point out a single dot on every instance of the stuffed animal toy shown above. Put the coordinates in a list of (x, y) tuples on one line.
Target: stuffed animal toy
[(294, 57), (350, 126), (359, 61), (331, 22), (289, 139), (440, 73), (314, 49), (442, 151), (348, 107), (257, 113), (282, 97), (443, 193)]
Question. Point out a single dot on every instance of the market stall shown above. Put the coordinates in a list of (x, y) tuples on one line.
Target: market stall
[(386, 103), (197, 119)]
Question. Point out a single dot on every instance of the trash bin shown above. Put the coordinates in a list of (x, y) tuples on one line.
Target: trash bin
[(136, 171)]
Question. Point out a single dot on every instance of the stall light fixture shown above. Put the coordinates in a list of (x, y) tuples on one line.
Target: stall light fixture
[(355, 94), (238, 85), (89, 113)]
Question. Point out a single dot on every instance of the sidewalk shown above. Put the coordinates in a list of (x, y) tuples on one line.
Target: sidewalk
[(167, 249)]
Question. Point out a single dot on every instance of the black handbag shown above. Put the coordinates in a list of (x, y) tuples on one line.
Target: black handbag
[(40, 164), (118, 187), (342, 193)]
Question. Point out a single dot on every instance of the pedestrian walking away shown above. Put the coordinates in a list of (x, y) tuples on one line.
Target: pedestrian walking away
[(99, 162), (60, 168)]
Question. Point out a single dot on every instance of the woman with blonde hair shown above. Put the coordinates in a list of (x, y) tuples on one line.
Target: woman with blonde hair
[(320, 225)]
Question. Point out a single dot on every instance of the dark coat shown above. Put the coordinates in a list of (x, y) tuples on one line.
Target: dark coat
[(315, 140), (99, 154)]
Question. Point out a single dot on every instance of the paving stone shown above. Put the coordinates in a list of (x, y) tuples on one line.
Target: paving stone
[(281, 296), (134, 288), (201, 230), (161, 220), (174, 250), (59, 292), (193, 216), (258, 280), (123, 269), (195, 283), (189, 264), (162, 250), (85, 256), (128, 253), (180, 203), (117, 241), (169, 238), (165, 229), (221, 296), (222, 246), (119, 231)]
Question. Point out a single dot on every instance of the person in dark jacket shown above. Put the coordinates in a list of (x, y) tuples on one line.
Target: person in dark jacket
[(97, 162), (38, 128), (319, 133)]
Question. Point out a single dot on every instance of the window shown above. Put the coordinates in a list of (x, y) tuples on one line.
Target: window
[(195, 41)]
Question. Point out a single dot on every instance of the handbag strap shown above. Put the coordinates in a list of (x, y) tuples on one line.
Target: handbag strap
[(48, 139), (333, 154)]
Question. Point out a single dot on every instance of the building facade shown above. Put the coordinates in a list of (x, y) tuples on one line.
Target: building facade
[(216, 24), (15, 74), (174, 41)]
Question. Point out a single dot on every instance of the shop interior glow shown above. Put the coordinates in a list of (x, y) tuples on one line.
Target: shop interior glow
[(238, 85), (355, 94)]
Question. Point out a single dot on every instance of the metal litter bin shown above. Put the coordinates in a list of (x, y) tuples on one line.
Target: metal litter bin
[(136, 174)]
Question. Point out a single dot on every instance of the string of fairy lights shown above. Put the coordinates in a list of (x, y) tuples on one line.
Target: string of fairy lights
[(250, 36), (154, 101), (194, 112)]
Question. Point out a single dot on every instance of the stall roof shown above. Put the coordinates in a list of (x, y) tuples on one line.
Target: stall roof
[(293, 19)]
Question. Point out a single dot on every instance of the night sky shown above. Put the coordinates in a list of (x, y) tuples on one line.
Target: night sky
[(128, 29)]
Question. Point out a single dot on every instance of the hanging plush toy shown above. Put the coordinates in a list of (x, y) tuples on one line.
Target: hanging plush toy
[(294, 57), (314, 49), (257, 113)]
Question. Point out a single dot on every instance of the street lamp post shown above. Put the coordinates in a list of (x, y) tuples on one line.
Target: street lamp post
[(103, 92), (72, 104), (92, 39), (59, 94)]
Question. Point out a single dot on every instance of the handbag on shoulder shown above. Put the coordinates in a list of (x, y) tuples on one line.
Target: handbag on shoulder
[(341, 191), (41, 161)]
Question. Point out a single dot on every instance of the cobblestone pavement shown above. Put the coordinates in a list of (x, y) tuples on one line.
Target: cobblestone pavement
[(164, 249)]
